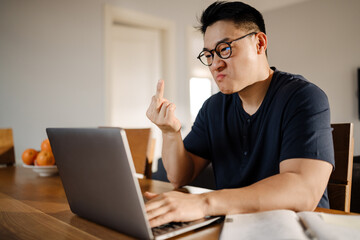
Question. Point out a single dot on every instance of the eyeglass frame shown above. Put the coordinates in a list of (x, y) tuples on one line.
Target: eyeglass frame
[(218, 53)]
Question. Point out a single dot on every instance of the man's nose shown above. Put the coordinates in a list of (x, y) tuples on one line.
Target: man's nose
[(217, 64)]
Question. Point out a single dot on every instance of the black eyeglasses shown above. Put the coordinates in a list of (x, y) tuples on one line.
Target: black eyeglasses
[(222, 49)]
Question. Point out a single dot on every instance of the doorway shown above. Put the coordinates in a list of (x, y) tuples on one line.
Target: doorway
[(135, 70), (139, 50)]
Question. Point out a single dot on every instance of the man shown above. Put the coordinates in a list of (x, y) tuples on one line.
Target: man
[(267, 132)]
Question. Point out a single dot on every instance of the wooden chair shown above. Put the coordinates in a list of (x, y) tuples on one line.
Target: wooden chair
[(7, 154), (339, 187), (142, 149)]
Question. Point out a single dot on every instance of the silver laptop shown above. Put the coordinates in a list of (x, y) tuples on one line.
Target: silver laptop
[(98, 175)]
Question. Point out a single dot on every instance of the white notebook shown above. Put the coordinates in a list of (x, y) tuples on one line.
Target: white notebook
[(286, 224)]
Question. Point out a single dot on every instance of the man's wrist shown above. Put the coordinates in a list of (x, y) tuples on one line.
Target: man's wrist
[(205, 203), (170, 134)]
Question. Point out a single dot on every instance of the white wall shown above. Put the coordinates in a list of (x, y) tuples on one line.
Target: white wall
[(51, 67), (52, 62), (52, 58), (320, 40)]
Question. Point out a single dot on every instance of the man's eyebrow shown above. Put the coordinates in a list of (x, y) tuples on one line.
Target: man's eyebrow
[(222, 40)]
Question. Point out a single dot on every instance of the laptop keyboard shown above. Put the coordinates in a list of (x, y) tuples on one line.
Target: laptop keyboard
[(165, 228)]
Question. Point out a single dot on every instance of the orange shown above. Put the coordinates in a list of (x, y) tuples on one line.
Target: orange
[(45, 145), (45, 158), (29, 156)]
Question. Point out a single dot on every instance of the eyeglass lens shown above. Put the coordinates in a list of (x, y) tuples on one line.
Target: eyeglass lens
[(223, 50)]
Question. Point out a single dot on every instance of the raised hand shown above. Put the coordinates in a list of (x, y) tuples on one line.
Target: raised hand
[(161, 111)]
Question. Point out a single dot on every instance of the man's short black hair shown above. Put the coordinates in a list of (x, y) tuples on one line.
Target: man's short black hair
[(243, 15)]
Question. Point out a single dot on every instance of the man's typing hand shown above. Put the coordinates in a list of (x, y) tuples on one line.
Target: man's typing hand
[(174, 207), (161, 111)]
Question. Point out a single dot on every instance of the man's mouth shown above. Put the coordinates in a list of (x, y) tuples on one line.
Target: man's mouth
[(220, 77)]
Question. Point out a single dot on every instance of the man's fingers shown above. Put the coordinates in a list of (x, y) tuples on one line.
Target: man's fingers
[(158, 212), (160, 89), (163, 109), (170, 110), (155, 202), (150, 195), (171, 116), (161, 219)]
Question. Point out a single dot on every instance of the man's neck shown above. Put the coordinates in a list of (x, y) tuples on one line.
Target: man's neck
[(253, 95)]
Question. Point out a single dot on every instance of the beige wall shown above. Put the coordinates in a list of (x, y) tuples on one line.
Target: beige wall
[(51, 67), (319, 39), (52, 62), (52, 58)]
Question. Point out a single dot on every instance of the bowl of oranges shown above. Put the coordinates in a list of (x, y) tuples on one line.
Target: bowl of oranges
[(41, 162)]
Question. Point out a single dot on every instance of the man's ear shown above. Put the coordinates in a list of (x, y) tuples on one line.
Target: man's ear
[(261, 43)]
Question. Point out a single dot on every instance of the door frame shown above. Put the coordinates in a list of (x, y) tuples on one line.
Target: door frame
[(117, 15)]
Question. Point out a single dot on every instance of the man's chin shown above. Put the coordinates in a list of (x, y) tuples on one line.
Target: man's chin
[(227, 92), (230, 89)]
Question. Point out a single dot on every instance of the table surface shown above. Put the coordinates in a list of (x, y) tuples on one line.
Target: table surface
[(34, 207)]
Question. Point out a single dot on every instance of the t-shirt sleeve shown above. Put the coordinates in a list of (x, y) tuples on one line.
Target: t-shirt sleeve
[(196, 141), (307, 132)]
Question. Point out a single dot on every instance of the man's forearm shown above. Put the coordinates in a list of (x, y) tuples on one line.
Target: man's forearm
[(299, 186), (282, 191), (177, 162)]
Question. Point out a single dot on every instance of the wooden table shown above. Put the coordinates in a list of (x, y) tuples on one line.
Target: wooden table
[(34, 207)]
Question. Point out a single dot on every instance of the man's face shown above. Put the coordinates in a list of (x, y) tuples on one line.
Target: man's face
[(239, 71)]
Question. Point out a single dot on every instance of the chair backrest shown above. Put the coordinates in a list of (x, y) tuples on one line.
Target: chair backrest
[(7, 154), (142, 149), (339, 187)]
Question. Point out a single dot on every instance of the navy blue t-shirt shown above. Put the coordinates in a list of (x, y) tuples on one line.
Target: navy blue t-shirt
[(293, 121)]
